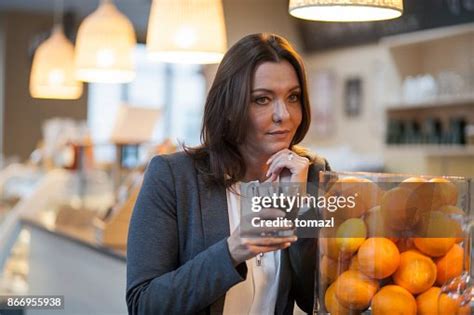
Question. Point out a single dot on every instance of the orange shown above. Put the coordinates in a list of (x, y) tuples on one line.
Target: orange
[(399, 210), (432, 194), (328, 245), (417, 272), (437, 233), (447, 305), (412, 183), (366, 195), (332, 304), (434, 247), (378, 257), (350, 235), (445, 192), (450, 265), (376, 227), (427, 302), (437, 224), (464, 310), (331, 268), (343, 213), (421, 192), (354, 290), (431, 302), (393, 299)]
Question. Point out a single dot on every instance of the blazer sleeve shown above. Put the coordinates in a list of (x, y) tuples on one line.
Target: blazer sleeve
[(156, 282), (303, 257)]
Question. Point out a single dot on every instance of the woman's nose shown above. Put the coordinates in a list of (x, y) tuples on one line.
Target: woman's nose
[(280, 112)]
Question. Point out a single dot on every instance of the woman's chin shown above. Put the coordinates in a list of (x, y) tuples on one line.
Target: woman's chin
[(274, 148)]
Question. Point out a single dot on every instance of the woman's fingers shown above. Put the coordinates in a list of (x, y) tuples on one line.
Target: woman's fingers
[(242, 249), (279, 164), (282, 161), (268, 241), (297, 166), (265, 232), (279, 158), (279, 153)]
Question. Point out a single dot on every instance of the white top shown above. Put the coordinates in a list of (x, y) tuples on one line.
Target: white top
[(257, 294)]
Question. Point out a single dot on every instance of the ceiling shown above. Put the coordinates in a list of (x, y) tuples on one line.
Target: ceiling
[(136, 10), (316, 36)]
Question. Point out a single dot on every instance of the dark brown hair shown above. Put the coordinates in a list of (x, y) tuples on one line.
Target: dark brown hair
[(226, 111)]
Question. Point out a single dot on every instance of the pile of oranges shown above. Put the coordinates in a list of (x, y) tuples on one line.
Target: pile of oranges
[(394, 250)]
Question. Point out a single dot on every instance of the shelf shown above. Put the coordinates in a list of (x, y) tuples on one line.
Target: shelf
[(447, 101), (434, 150)]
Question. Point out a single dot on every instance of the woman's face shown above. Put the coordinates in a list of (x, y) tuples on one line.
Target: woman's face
[(275, 109)]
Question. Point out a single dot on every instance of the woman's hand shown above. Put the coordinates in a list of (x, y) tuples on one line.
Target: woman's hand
[(242, 248), (296, 165)]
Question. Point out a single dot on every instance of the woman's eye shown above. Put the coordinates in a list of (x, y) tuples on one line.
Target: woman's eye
[(262, 100), (294, 98)]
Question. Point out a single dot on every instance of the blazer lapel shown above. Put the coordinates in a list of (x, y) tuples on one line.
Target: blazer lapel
[(215, 223), (214, 213)]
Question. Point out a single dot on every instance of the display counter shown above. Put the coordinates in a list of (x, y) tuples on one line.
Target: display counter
[(17, 182), (65, 255)]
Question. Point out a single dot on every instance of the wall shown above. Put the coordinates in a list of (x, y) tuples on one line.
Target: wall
[(372, 64), (23, 115), (382, 70), (244, 17)]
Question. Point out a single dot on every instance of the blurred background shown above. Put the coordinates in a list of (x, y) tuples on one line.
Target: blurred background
[(387, 96)]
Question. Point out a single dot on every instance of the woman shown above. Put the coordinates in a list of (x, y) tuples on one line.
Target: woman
[(185, 254)]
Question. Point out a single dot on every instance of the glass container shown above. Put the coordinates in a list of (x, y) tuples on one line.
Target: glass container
[(396, 241)]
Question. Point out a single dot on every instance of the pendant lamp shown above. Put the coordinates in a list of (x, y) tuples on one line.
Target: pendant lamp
[(346, 10), (186, 31), (104, 46), (52, 71)]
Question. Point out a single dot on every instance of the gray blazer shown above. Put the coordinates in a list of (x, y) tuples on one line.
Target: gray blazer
[(178, 261)]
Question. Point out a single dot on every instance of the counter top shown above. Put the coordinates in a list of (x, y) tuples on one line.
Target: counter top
[(83, 234)]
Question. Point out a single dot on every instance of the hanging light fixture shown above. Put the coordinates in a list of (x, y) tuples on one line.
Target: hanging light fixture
[(346, 10), (104, 46), (52, 71), (186, 31)]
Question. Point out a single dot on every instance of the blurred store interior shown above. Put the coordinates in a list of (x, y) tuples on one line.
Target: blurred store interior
[(392, 96)]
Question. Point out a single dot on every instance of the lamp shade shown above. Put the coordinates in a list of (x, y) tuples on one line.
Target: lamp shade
[(186, 31), (52, 72), (346, 10), (104, 46)]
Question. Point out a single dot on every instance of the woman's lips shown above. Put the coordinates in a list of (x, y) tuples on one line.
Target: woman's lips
[(279, 134)]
